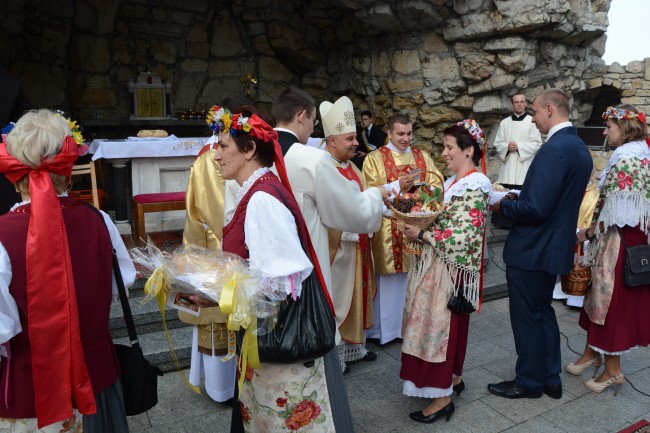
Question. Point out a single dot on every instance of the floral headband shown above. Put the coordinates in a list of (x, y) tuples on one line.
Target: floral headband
[(220, 120), (74, 128), (475, 130), (620, 114)]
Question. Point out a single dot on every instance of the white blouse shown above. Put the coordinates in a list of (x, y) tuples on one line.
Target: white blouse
[(273, 245)]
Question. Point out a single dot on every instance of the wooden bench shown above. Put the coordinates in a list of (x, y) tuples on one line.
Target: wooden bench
[(156, 202)]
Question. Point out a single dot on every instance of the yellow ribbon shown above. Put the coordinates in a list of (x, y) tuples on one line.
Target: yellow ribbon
[(239, 316), (156, 286)]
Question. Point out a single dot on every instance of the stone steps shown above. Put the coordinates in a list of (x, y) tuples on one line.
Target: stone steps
[(151, 333)]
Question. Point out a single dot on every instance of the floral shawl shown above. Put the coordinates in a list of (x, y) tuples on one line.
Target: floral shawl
[(457, 236), (624, 200)]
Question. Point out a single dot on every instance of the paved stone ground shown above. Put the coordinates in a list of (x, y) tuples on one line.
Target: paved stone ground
[(378, 404)]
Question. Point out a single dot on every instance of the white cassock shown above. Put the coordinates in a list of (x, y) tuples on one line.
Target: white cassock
[(515, 164), (328, 199)]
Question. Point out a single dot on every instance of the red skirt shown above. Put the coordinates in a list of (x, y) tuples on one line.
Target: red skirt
[(440, 374), (627, 323)]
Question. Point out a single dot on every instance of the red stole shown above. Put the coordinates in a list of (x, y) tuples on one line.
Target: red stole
[(393, 172), (364, 242)]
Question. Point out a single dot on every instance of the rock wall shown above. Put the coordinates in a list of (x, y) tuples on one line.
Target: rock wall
[(438, 61)]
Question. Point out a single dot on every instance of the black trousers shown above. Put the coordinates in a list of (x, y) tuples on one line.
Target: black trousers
[(535, 328)]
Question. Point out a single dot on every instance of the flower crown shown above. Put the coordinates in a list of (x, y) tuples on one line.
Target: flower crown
[(220, 120), (620, 114), (475, 130), (74, 128), (8, 127)]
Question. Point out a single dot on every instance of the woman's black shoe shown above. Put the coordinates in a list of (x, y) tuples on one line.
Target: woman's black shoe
[(458, 388), (446, 411)]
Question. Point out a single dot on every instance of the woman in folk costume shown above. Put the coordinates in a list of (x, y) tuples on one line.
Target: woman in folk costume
[(448, 274), (267, 229), (56, 263), (615, 315)]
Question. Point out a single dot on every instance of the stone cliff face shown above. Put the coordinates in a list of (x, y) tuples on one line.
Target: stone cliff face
[(438, 61)]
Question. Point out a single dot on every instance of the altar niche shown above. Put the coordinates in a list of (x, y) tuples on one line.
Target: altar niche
[(149, 96)]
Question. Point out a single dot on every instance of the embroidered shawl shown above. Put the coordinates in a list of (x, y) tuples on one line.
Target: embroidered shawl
[(458, 234)]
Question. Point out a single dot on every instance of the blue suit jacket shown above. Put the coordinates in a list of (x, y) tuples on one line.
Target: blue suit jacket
[(546, 213)]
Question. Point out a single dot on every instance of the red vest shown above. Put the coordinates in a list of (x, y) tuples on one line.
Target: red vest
[(233, 234), (90, 254)]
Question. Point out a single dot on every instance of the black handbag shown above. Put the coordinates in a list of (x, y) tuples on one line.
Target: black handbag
[(139, 377), (459, 304), (305, 329), (637, 264)]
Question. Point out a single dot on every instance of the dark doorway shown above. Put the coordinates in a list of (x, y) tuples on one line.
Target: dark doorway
[(608, 96)]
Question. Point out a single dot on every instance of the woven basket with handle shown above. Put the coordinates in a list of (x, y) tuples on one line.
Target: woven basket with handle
[(423, 221), (576, 282)]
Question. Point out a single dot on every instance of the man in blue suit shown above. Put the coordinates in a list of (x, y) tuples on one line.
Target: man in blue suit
[(540, 246)]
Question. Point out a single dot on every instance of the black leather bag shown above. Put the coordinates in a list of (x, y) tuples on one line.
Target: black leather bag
[(460, 305), (637, 264), (306, 327), (139, 377)]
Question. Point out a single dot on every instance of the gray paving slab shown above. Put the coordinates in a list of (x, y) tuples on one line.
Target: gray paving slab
[(378, 405)]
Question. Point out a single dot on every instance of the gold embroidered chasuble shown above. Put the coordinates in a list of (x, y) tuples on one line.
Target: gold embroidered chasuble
[(389, 258), (203, 226), (353, 276)]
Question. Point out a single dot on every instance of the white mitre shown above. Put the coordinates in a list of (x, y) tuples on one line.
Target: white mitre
[(338, 118)]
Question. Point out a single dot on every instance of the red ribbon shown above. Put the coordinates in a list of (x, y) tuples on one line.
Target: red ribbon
[(263, 131), (58, 364)]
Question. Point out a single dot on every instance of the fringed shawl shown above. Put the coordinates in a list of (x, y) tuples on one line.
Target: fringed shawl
[(624, 192), (457, 236)]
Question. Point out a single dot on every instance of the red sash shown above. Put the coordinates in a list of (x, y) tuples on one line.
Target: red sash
[(364, 242), (393, 172)]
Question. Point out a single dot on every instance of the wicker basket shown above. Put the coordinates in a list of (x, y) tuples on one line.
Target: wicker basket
[(576, 282), (424, 221)]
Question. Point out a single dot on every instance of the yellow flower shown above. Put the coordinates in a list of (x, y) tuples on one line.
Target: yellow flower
[(246, 127)]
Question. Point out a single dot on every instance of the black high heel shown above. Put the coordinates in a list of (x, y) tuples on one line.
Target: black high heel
[(446, 411), (458, 388)]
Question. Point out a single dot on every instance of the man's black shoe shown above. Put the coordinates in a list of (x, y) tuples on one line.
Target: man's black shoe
[(510, 389), (553, 391), (370, 356)]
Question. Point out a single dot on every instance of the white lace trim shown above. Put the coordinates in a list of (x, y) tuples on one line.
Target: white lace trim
[(633, 149), (411, 390), (350, 352), (472, 182), (604, 352), (623, 208), (249, 182), (29, 200)]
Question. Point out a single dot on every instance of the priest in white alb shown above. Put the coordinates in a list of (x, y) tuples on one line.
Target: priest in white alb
[(353, 279)]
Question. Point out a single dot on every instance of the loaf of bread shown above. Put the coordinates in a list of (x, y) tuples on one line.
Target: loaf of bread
[(152, 133)]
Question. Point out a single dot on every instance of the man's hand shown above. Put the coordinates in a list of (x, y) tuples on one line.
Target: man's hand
[(411, 232), (512, 147), (406, 182), (496, 207)]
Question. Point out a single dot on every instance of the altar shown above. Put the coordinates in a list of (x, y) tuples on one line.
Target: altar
[(157, 165)]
